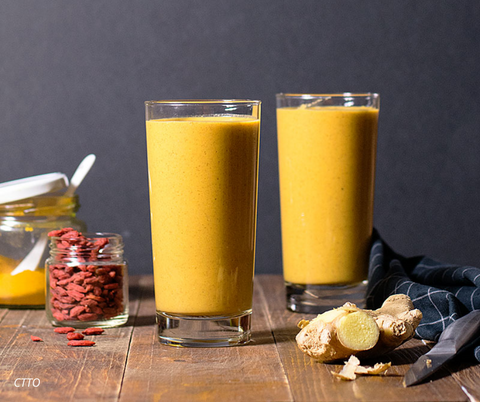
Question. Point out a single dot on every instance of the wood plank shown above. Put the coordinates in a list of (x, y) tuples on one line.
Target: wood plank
[(158, 372), (3, 312), (466, 373), (64, 373), (270, 368), (310, 380)]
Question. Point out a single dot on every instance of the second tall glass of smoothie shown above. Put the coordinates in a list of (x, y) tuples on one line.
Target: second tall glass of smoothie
[(327, 148), (203, 172)]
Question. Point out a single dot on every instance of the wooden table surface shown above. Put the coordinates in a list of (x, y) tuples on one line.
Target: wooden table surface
[(129, 364)]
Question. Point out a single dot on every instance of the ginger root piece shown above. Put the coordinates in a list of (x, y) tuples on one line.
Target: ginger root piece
[(338, 333), (348, 371), (397, 320), (349, 330), (352, 368), (357, 331), (378, 368)]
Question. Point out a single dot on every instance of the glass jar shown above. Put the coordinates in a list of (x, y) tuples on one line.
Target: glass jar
[(87, 280), (23, 224)]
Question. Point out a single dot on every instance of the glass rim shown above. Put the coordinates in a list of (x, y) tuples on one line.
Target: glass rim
[(190, 102), (90, 236), (328, 95)]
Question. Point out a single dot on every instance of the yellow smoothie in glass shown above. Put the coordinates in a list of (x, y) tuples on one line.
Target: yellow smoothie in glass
[(327, 170), (203, 200)]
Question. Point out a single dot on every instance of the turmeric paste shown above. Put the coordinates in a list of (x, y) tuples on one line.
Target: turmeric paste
[(24, 289)]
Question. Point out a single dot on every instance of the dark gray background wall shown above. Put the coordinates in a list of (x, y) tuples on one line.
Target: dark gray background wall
[(74, 76)]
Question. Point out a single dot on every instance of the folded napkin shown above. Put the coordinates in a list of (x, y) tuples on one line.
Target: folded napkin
[(442, 292)]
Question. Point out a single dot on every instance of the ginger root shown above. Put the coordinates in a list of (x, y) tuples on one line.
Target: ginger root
[(349, 330)]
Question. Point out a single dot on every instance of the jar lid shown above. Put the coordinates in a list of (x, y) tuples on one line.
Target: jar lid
[(32, 186)]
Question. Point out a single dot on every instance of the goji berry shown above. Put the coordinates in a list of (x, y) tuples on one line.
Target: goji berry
[(93, 331), (74, 336), (87, 317), (75, 311), (36, 338), (81, 343), (84, 284), (64, 330)]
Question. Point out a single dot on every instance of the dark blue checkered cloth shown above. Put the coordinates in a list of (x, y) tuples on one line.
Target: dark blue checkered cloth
[(442, 292)]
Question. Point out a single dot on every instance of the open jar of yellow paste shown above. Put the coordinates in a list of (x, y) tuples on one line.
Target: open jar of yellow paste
[(23, 226)]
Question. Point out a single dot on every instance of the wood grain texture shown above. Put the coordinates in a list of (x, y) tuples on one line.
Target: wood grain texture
[(65, 373), (465, 371), (251, 372), (130, 364), (310, 380)]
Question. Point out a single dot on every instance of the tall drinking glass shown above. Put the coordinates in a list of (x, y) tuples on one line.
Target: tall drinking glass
[(327, 149), (203, 173)]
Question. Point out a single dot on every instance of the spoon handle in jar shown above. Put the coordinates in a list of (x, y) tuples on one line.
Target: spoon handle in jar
[(32, 259), (82, 170)]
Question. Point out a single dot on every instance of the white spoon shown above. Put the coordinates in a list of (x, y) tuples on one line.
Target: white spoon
[(80, 173), (32, 259)]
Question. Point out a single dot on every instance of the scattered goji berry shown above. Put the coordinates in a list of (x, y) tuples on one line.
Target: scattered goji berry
[(93, 331), (64, 330), (81, 343), (74, 336), (36, 338)]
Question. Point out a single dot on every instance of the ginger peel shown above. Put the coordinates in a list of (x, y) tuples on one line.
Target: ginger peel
[(349, 330), (352, 368)]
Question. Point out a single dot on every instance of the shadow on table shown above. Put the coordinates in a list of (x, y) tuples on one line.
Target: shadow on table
[(268, 337), (137, 292), (141, 321), (145, 320), (261, 338), (403, 355), (408, 355)]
